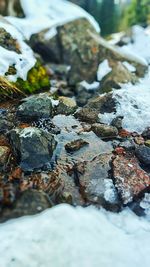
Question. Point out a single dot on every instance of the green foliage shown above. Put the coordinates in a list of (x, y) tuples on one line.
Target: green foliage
[(37, 79), (138, 12)]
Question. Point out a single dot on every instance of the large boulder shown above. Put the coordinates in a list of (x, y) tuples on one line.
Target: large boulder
[(33, 148), (71, 44)]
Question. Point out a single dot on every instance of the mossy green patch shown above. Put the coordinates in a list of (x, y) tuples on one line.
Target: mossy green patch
[(37, 79)]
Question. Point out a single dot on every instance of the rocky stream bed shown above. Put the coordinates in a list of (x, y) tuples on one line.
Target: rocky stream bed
[(74, 129)]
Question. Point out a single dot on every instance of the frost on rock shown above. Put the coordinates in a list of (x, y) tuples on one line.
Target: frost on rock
[(50, 14), (92, 237), (22, 60)]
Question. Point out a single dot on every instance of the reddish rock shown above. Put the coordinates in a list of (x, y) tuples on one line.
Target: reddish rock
[(129, 178), (124, 133)]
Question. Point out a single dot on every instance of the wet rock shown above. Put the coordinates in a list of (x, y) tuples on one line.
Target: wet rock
[(30, 202), (103, 130), (103, 103), (128, 144), (147, 143), (75, 145), (66, 106), (117, 122), (87, 115), (119, 74), (79, 50), (35, 107), (95, 184), (4, 155), (33, 148), (146, 133), (129, 178), (5, 123), (143, 154)]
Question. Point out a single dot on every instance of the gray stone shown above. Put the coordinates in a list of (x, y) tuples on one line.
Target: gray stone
[(35, 107), (33, 148), (103, 130), (143, 154)]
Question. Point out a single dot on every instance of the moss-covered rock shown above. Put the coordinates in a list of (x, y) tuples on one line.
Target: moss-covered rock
[(37, 79)]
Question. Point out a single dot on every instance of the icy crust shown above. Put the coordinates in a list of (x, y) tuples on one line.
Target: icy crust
[(92, 237), (22, 62), (50, 14), (132, 103)]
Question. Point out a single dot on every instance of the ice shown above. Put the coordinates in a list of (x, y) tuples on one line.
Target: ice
[(50, 14), (68, 237)]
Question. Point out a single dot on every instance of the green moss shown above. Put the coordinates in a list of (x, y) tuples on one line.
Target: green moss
[(37, 79)]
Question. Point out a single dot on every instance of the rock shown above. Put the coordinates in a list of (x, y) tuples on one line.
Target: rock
[(87, 115), (35, 107), (66, 106), (75, 145), (4, 155), (96, 187), (33, 148), (30, 202), (139, 140), (143, 154), (103, 104), (146, 133), (115, 54), (11, 8), (46, 125), (79, 50), (5, 123), (119, 74), (128, 144), (117, 122), (48, 48), (147, 143), (129, 178), (103, 130)]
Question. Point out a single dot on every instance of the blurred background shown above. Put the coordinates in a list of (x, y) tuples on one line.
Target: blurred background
[(117, 15)]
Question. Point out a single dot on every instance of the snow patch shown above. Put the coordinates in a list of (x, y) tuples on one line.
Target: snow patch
[(103, 70), (92, 237), (133, 104), (90, 86), (22, 62), (50, 14)]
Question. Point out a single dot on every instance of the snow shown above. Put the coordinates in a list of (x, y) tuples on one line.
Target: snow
[(103, 70), (23, 62), (50, 14), (133, 104), (140, 43), (129, 66), (90, 86), (68, 237)]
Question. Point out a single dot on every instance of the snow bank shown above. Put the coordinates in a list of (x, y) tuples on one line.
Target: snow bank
[(50, 14), (23, 62), (133, 104), (68, 237), (140, 43)]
